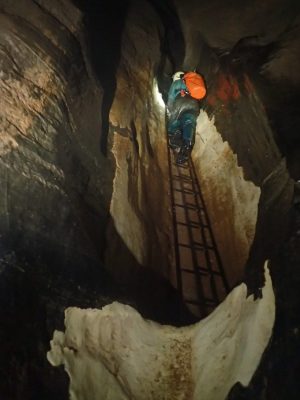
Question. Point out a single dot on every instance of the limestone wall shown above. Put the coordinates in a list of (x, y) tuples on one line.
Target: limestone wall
[(231, 200), (140, 200)]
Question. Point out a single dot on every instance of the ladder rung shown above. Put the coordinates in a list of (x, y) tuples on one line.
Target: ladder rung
[(202, 271), (199, 224), (186, 191), (181, 166), (191, 271), (185, 245), (202, 245), (190, 223), (212, 272), (182, 177), (196, 246), (187, 205), (208, 271)]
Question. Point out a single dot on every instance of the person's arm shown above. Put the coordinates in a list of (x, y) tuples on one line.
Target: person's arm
[(174, 91)]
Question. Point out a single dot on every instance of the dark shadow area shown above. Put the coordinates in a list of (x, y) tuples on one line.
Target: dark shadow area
[(35, 289), (283, 361), (104, 22), (88, 220), (248, 54), (173, 41), (282, 108), (272, 228), (38, 281), (278, 373), (172, 44), (280, 98), (151, 294)]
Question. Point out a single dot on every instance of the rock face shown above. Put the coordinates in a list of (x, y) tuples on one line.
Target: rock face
[(114, 354), (252, 140), (244, 177), (140, 201), (55, 186), (232, 201), (54, 189), (223, 25)]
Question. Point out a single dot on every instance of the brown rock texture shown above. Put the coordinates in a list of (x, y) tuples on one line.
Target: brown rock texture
[(54, 186), (50, 129), (140, 200), (232, 201), (245, 178)]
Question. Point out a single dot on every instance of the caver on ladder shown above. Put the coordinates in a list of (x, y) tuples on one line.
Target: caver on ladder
[(183, 108)]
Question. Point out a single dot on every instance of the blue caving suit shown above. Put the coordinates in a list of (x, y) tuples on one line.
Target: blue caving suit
[(183, 112)]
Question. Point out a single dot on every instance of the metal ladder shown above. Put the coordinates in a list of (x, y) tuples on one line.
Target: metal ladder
[(200, 277)]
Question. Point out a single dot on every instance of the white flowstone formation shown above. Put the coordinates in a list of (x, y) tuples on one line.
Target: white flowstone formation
[(114, 354)]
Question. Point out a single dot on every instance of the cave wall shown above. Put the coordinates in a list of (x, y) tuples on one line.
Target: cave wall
[(223, 24), (50, 121), (231, 201), (244, 176), (251, 137), (55, 187), (139, 206)]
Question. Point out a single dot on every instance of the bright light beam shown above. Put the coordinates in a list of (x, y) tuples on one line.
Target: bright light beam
[(157, 95)]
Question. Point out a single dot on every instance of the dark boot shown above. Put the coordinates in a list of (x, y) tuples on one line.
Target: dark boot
[(184, 153), (175, 141)]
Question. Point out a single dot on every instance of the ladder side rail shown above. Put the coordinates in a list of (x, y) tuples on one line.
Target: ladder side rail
[(219, 261), (198, 281), (206, 250)]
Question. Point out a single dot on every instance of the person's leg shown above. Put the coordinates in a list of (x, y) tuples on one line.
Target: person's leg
[(188, 128), (174, 134)]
